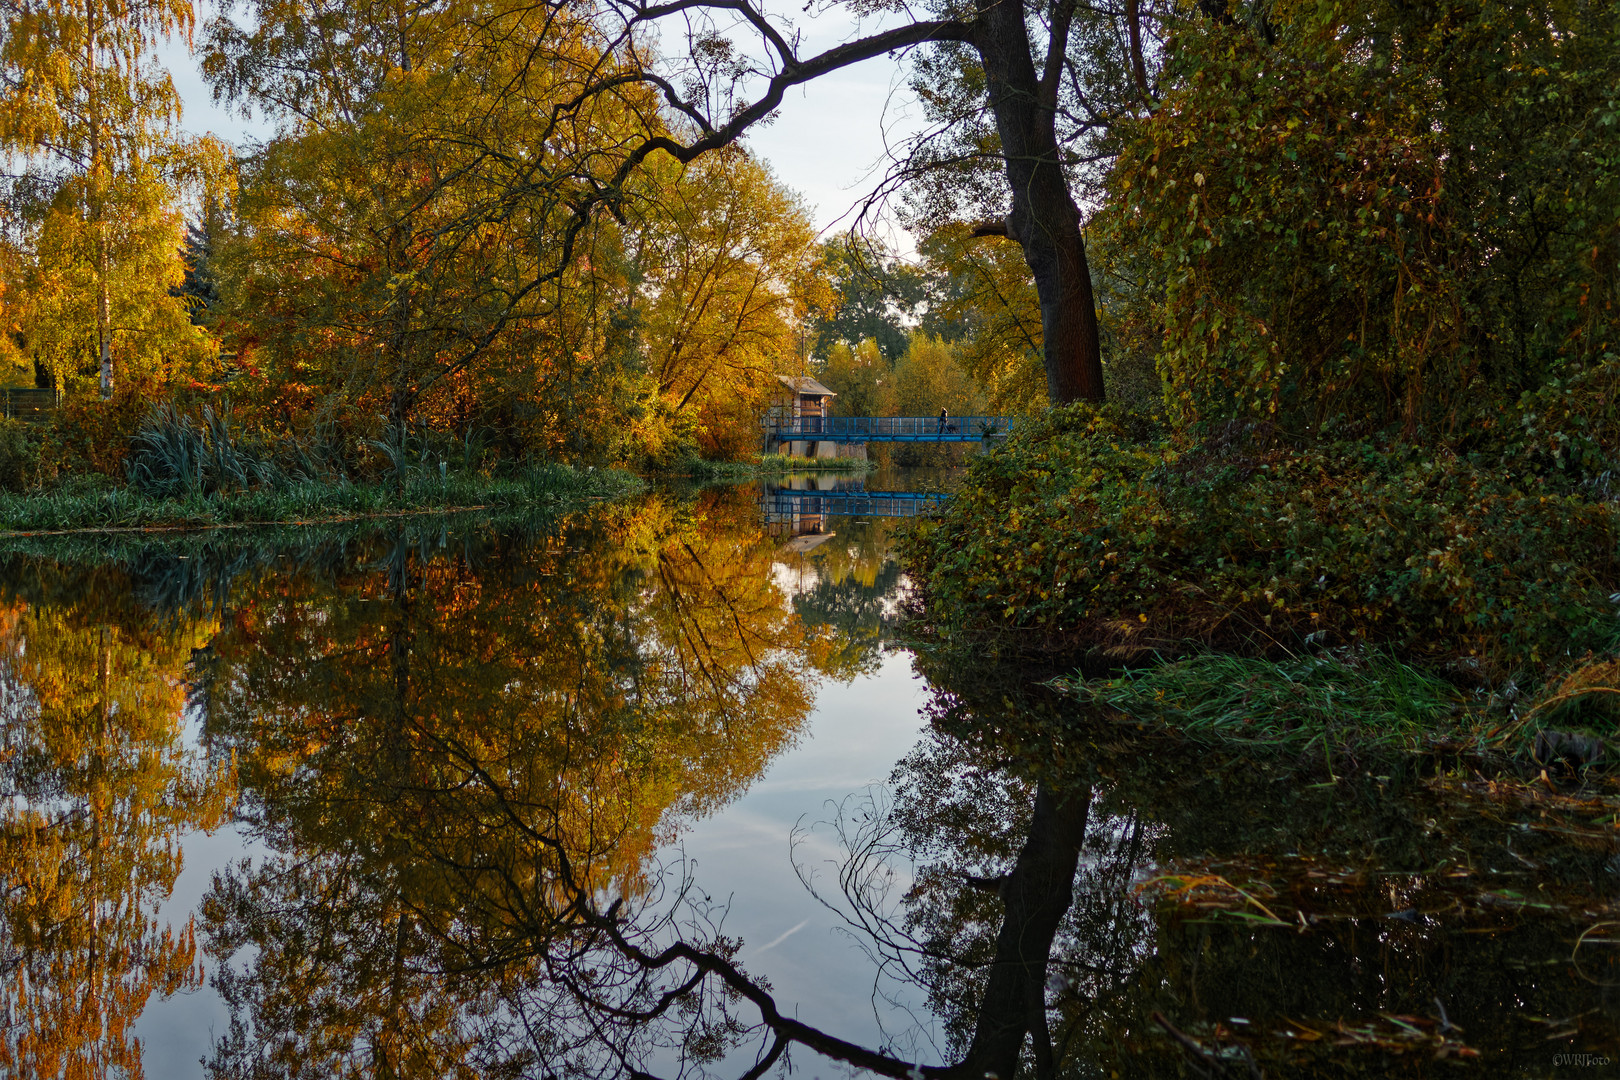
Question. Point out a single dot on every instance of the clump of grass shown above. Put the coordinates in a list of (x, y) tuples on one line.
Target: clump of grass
[(1291, 703), (1588, 696), (173, 456)]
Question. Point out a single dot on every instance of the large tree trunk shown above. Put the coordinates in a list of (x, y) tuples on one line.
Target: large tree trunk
[(1044, 218)]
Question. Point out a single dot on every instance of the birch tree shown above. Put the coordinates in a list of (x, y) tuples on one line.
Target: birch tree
[(91, 118)]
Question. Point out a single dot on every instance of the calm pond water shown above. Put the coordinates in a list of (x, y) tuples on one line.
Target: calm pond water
[(591, 796)]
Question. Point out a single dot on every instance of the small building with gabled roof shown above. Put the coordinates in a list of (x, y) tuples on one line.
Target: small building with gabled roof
[(804, 395), (801, 402)]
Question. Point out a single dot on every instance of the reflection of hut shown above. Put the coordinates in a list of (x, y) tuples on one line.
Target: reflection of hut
[(801, 402), (806, 543), (790, 508)]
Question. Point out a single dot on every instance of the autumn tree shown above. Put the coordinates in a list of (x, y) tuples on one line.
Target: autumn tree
[(727, 272), (928, 378), (83, 106), (861, 377), (1028, 70), (409, 237)]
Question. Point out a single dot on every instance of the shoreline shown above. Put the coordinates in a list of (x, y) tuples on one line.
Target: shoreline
[(83, 509), (767, 465)]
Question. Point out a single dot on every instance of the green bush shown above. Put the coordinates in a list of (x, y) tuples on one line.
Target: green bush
[(19, 456), (1074, 537)]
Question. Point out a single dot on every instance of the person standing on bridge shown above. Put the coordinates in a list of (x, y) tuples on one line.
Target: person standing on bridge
[(943, 416)]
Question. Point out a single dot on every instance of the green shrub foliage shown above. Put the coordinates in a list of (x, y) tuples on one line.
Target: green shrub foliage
[(19, 456), (1501, 559)]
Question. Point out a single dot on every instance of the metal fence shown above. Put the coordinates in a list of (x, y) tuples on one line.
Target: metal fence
[(28, 404)]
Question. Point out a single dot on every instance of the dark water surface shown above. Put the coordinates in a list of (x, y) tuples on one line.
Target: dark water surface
[(591, 796)]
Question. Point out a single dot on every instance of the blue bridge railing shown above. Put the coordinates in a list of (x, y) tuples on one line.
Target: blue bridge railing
[(886, 428)]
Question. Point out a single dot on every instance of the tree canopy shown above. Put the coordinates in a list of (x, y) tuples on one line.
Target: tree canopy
[(539, 229)]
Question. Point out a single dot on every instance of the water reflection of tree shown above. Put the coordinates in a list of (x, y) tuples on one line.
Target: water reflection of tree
[(456, 764), (851, 584), (961, 822), (464, 749), (463, 765), (97, 787), (1391, 891)]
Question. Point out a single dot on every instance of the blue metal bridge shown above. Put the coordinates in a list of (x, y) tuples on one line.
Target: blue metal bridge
[(864, 429)]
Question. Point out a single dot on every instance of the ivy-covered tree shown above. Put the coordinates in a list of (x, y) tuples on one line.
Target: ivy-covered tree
[(1374, 213)]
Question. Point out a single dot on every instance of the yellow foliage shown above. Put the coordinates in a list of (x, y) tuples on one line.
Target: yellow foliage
[(95, 750)]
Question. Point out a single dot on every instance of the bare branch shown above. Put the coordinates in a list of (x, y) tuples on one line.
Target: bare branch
[(994, 228)]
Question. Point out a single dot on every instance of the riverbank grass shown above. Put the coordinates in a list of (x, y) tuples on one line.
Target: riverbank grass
[(1362, 703), (90, 503), (1367, 701)]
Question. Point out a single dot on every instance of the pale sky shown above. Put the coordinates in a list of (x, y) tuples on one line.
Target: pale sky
[(828, 143)]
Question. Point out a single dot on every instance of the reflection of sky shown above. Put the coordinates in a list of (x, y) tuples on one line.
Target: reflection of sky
[(856, 735), (176, 1033), (796, 577)]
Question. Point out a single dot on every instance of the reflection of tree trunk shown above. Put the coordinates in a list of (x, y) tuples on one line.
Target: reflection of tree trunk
[(1037, 894), (97, 771), (400, 641), (388, 1048)]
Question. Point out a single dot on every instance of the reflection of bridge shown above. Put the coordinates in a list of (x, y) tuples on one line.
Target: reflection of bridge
[(805, 509), (864, 429)]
